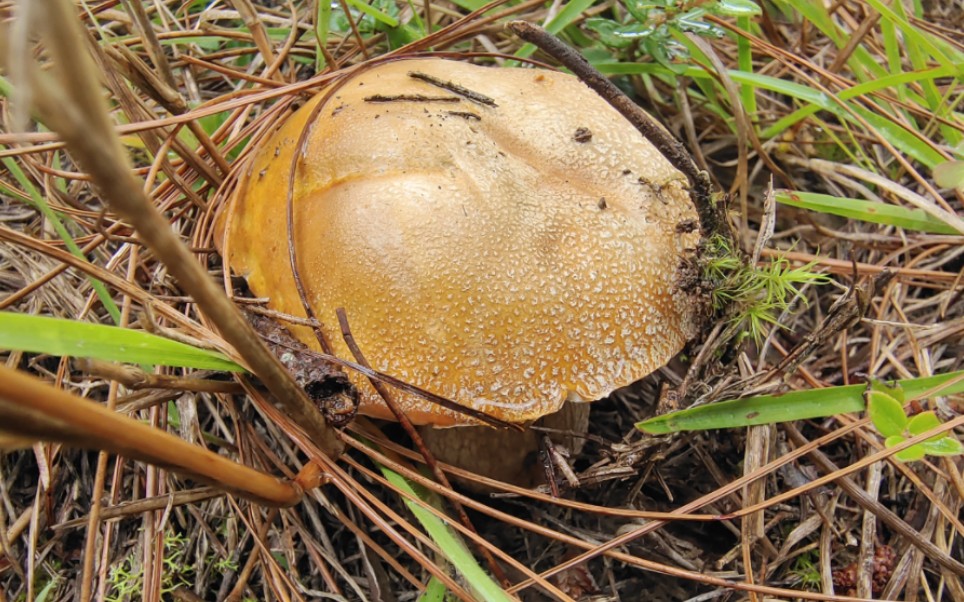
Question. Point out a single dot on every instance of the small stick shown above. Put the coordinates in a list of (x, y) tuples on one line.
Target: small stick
[(137, 379), (845, 312), (553, 461), (671, 148), (416, 438), (453, 87), (411, 98), (547, 466)]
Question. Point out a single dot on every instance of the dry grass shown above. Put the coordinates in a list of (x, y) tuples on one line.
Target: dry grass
[(703, 516)]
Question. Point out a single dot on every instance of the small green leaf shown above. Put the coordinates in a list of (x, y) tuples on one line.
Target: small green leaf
[(949, 174), (911, 454), (945, 446), (639, 9), (891, 388), (924, 422), (894, 440), (886, 413), (692, 21), (736, 8), (610, 32)]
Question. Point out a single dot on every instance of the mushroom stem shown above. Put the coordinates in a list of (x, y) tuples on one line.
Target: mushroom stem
[(673, 149), (508, 456)]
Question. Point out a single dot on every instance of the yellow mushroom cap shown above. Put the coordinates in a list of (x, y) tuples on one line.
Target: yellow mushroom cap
[(508, 255)]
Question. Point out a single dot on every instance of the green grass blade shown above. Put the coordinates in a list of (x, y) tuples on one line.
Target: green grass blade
[(569, 13), (56, 336), (448, 541), (322, 26), (745, 63), (798, 405), (914, 38), (816, 13), (374, 13), (470, 5), (39, 203), (434, 592), (899, 136), (862, 62), (612, 67), (897, 81), (868, 211)]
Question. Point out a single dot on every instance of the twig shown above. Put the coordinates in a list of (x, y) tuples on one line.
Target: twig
[(32, 407), (176, 498), (454, 88), (843, 314), (136, 379)]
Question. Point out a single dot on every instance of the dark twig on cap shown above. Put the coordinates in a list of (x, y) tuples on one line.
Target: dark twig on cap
[(453, 87)]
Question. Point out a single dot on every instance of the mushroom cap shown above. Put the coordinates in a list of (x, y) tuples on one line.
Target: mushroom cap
[(508, 255)]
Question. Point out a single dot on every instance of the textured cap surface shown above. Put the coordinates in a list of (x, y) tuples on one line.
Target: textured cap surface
[(507, 254)]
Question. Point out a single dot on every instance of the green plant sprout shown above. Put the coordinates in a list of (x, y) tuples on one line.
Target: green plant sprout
[(653, 23), (885, 406), (806, 570), (126, 578), (754, 296)]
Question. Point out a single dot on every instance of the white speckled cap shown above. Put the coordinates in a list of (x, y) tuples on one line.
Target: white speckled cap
[(507, 255)]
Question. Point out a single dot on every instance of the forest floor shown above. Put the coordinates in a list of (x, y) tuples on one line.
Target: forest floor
[(833, 133)]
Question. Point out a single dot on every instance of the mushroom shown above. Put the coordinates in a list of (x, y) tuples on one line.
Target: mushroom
[(501, 237)]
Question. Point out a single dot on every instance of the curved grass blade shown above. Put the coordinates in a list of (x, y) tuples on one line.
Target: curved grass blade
[(564, 18), (798, 405), (56, 336), (38, 202), (448, 540), (374, 13), (896, 133), (868, 211), (435, 591), (815, 100), (896, 81)]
